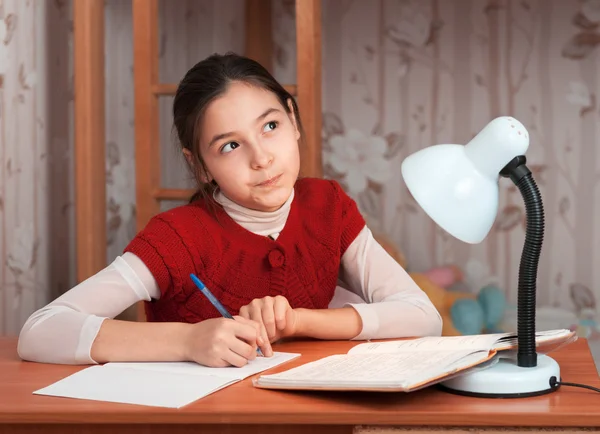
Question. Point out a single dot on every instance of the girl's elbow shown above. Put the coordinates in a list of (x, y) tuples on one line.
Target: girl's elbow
[(437, 324), (31, 339), (26, 345), (433, 323)]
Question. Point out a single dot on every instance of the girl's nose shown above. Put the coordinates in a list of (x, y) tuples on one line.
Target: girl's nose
[(261, 157)]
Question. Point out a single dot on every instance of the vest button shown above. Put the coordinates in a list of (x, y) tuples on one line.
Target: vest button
[(276, 258)]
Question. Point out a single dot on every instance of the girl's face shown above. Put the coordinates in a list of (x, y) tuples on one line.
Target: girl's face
[(249, 144)]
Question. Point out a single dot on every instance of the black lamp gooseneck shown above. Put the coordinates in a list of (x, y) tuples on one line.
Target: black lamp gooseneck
[(521, 176)]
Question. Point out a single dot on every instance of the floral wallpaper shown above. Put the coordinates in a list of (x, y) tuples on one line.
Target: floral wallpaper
[(398, 75), (36, 213), (402, 75)]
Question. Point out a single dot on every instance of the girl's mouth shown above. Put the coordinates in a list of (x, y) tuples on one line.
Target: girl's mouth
[(269, 182)]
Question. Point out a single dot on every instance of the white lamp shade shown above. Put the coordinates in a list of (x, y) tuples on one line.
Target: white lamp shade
[(457, 186)]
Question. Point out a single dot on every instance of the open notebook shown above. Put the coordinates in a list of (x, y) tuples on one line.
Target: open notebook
[(404, 365), (169, 384)]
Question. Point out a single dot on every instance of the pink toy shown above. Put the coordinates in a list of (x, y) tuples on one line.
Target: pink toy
[(444, 276)]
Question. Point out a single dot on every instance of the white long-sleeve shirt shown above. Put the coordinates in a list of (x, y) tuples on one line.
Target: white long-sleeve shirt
[(388, 301)]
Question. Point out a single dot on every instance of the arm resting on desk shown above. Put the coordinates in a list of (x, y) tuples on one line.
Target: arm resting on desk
[(331, 324), (388, 300), (78, 327), (64, 330)]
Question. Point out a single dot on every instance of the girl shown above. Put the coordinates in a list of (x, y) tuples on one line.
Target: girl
[(271, 247)]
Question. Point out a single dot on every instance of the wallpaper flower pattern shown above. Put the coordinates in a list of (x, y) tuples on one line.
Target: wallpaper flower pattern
[(398, 75), (417, 73), (36, 239)]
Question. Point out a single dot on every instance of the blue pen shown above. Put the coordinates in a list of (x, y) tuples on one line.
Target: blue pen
[(216, 303)]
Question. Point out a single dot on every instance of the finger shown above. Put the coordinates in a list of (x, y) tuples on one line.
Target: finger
[(265, 346), (245, 329), (256, 315), (234, 359), (244, 312), (268, 317), (219, 363), (280, 309), (246, 321), (261, 337), (243, 349)]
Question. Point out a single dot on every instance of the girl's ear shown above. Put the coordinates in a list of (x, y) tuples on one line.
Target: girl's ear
[(189, 158), (204, 176), (293, 117)]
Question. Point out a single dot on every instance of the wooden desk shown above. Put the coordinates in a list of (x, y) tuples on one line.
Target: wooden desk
[(243, 408)]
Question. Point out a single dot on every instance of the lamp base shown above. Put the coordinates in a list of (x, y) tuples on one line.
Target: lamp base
[(506, 379)]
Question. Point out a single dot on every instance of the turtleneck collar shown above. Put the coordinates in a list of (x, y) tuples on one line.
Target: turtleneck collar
[(259, 222)]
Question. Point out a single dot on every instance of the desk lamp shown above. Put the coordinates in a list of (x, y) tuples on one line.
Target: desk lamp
[(457, 186)]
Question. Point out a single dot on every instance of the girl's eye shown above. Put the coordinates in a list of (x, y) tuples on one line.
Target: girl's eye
[(270, 126), (228, 147)]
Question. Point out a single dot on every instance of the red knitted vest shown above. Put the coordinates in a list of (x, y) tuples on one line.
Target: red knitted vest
[(239, 266)]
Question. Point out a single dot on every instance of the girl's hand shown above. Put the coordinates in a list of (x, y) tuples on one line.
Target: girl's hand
[(276, 318), (221, 342)]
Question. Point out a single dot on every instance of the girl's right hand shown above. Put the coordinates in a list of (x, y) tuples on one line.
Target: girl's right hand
[(221, 342)]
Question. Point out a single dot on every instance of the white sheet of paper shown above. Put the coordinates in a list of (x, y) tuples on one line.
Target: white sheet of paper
[(171, 385), (132, 386), (189, 368)]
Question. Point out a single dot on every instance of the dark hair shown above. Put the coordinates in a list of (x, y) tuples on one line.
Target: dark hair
[(206, 81)]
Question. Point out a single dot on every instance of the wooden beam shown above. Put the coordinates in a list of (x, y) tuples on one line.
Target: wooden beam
[(259, 32), (291, 88), (308, 46), (147, 130), (90, 172), (147, 145), (164, 89)]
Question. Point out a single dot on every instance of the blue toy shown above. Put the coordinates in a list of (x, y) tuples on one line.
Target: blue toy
[(481, 315)]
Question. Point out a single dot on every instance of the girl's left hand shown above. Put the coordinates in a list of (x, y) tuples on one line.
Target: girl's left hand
[(276, 317)]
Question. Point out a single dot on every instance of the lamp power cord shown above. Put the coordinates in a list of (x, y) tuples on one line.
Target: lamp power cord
[(554, 383)]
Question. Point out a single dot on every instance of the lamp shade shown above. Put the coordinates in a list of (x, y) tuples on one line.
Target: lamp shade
[(457, 185)]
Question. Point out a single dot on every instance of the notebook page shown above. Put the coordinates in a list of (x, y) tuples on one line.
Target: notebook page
[(498, 341), (549, 339), (430, 343), (134, 386), (170, 384), (190, 368), (367, 369)]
